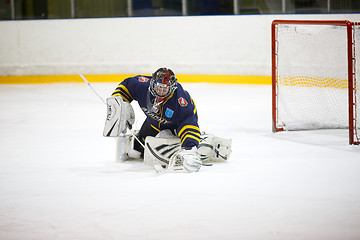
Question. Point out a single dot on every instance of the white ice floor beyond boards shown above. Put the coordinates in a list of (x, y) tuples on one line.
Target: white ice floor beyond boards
[(59, 179)]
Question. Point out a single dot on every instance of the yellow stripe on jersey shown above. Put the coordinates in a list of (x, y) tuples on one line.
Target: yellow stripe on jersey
[(190, 136), (188, 127), (190, 133), (115, 94), (124, 97), (167, 99), (122, 91), (192, 101), (126, 90), (155, 128)]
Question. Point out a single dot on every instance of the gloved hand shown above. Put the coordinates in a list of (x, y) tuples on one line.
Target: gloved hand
[(186, 160)]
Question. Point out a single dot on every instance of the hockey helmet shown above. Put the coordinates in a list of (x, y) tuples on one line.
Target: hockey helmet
[(163, 83)]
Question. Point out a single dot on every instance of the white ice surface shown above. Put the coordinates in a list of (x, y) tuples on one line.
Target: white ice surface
[(59, 178)]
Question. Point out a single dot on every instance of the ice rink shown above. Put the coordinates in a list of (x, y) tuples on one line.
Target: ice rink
[(59, 178)]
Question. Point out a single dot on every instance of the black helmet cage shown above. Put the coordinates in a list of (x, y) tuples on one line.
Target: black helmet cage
[(163, 76)]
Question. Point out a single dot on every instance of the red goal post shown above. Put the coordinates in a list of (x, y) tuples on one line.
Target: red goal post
[(315, 67)]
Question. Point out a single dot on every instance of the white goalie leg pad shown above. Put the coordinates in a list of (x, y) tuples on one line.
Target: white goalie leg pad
[(214, 149), (120, 116), (166, 153), (131, 152), (122, 143), (158, 151), (125, 148)]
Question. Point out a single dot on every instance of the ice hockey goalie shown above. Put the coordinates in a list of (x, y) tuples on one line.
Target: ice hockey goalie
[(170, 136)]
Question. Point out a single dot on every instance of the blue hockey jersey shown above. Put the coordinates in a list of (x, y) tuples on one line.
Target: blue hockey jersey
[(178, 112)]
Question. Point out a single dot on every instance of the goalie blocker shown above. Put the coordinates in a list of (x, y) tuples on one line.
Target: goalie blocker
[(120, 116)]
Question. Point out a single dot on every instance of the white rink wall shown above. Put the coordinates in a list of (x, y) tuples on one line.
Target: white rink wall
[(231, 45)]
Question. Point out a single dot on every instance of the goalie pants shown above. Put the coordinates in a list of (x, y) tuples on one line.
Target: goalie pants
[(145, 130)]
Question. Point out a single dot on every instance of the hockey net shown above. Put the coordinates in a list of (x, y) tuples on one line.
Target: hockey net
[(315, 65)]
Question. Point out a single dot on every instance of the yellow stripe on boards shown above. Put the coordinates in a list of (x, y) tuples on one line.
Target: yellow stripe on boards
[(182, 78), (36, 79), (232, 79)]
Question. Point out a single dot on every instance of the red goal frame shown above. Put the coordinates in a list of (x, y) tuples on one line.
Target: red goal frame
[(354, 137)]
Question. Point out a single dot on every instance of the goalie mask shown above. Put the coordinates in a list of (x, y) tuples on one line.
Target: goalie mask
[(162, 84)]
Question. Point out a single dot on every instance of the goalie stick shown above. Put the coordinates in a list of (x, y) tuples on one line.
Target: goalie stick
[(88, 83)]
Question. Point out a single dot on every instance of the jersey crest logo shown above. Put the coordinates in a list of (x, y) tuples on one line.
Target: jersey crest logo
[(143, 79), (182, 102), (169, 113)]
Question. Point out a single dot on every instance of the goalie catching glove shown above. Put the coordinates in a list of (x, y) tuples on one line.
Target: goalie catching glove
[(120, 116), (186, 160)]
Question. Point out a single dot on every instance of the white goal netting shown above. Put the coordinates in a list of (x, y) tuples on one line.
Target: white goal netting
[(312, 76)]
